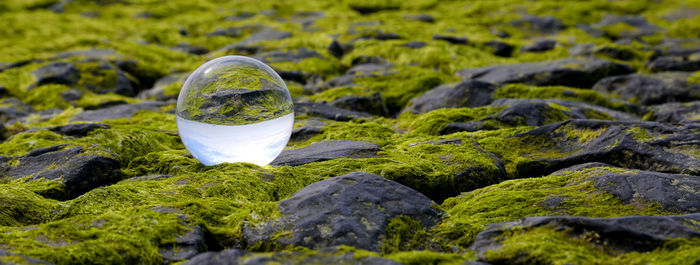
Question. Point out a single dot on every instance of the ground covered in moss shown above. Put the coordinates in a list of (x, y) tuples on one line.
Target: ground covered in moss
[(426, 132)]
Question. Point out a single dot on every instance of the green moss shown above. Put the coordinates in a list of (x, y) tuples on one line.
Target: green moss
[(376, 131), (544, 245), (432, 122), (337, 92), (511, 200), (129, 142), (21, 206), (560, 92), (91, 100), (404, 234), (427, 257), (21, 143), (46, 97), (640, 134)]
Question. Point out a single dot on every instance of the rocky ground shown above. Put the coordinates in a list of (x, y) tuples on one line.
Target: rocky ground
[(426, 132)]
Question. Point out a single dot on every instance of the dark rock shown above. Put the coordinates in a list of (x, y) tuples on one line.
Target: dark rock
[(362, 60), (236, 257), (576, 108), (227, 32), (9, 258), (193, 49), (682, 13), (501, 49), (676, 47), (625, 234), (415, 44), (439, 142), (451, 39), (676, 63), (265, 34), (328, 112), (471, 126), (123, 85), (308, 128), (378, 35), (13, 109), (339, 49), (372, 104), (469, 93), (641, 25), (676, 112), (57, 73), (539, 46), (675, 193), (4, 92), (583, 50), (622, 144), (186, 246), (158, 89), (649, 89), (78, 129), (80, 172), (422, 18), (566, 72), (595, 32), (326, 150), (615, 53), (352, 210), (288, 56), (7, 66), (369, 9), (116, 112), (543, 25), (299, 76), (71, 95)]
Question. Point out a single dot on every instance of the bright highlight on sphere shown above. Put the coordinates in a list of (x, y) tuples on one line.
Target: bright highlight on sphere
[(234, 109)]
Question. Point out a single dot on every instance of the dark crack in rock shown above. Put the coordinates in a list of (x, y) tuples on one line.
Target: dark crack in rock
[(326, 150)]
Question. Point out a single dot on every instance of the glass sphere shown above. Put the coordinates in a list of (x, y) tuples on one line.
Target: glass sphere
[(234, 109)]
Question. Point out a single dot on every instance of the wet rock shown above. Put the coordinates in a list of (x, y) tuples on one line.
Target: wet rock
[(193, 49), (288, 56), (676, 112), (575, 108), (80, 172), (339, 49), (501, 49), (539, 46), (687, 63), (158, 90), (648, 146), (649, 89), (57, 73), (328, 112), (7, 66), (369, 8), (231, 32), (615, 53), (623, 234), (353, 210), (543, 25), (4, 92), (581, 73), (13, 109), (308, 128), (372, 104), (641, 26), (415, 44), (116, 112), (326, 150), (378, 35), (236, 257), (9, 258), (422, 18), (451, 39), (78, 129), (185, 246), (470, 93)]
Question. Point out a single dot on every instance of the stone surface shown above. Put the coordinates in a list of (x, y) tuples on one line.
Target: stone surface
[(13, 109), (116, 112), (626, 234), (649, 89), (57, 73), (240, 257), (566, 72), (676, 112), (470, 93), (326, 150), (372, 104), (78, 129), (539, 46), (451, 39), (9, 258), (78, 171), (616, 143), (501, 49), (542, 25), (327, 111), (687, 63), (186, 246), (352, 209)]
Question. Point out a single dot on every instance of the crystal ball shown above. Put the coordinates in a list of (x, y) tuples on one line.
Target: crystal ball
[(234, 109)]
